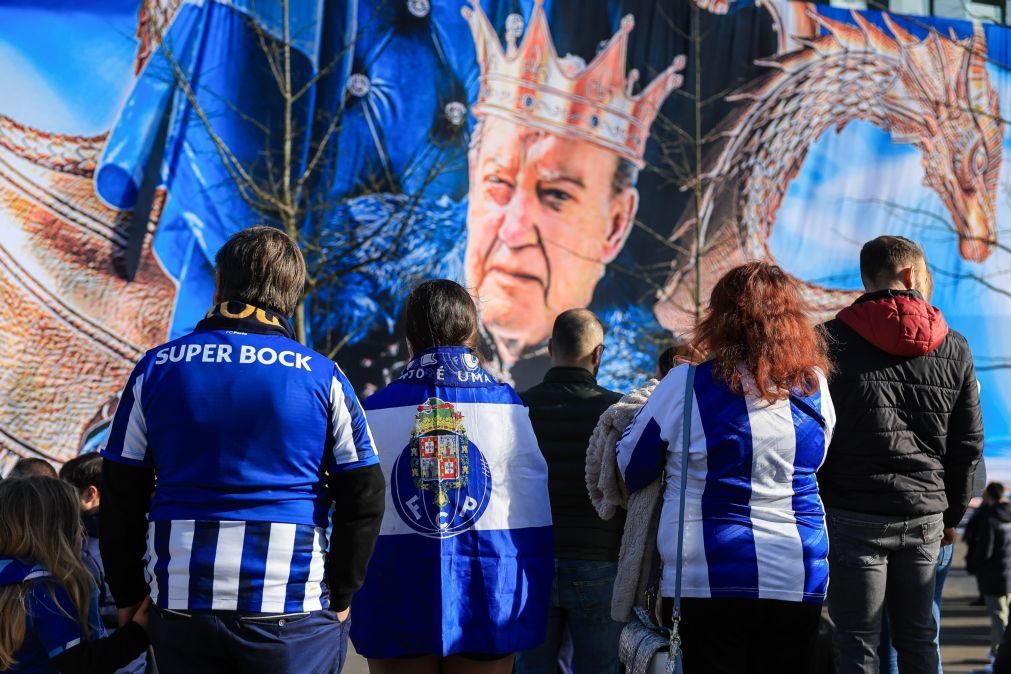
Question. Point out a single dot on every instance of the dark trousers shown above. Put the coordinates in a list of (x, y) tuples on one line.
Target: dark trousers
[(580, 604), (876, 560), (747, 636), (226, 641)]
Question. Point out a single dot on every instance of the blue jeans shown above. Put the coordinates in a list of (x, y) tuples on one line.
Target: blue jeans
[(581, 604), (886, 652), (226, 641)]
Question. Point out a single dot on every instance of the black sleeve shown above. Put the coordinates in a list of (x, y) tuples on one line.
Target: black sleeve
[(104, 656), (126, 499), (965, 445), (359, 498)]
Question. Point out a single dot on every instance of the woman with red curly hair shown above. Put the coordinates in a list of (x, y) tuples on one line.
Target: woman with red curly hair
[(754, 547)]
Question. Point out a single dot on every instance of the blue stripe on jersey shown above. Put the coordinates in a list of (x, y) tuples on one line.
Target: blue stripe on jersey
[(807, 506), (305, 537), (162, 530), (403, 394), (205, 547), (726, 514), (647, 458), (253, 565)]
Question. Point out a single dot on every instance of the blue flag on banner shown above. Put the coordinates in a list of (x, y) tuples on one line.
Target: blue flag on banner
[(464, 558)]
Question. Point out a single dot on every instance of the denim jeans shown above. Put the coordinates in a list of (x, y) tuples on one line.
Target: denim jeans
[(876, 560), (229, 642), (581, 604), (889, 657)]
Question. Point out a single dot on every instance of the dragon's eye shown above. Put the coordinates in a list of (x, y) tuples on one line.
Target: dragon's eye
[(979, 160)]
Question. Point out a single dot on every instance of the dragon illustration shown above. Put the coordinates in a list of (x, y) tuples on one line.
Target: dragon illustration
[(933, 92), (73, 325)]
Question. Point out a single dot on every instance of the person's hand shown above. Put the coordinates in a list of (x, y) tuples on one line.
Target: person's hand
[(126, 614), (949, 536), (343, 615), (142, 611)]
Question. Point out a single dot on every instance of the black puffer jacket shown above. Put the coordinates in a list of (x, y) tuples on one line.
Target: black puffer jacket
[(564, 410), (992, 552), (909, 432)]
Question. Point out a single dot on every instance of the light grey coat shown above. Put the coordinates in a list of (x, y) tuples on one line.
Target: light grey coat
[(608, 493)]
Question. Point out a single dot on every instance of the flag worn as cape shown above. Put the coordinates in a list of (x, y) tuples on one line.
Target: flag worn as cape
[(464, 560)]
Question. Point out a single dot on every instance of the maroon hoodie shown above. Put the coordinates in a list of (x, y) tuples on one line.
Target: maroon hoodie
[(901, 325)]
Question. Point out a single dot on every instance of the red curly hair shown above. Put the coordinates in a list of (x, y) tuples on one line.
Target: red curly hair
[(757, 317)]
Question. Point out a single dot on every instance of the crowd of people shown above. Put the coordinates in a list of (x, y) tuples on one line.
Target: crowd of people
[(248, 514)]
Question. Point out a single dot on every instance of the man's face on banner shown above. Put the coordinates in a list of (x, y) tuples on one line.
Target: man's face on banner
[(544, 218)]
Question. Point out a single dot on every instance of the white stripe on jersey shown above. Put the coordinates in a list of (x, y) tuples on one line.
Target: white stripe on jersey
[(280, 551), (313, 586), (152, 559), (227, 566), (180, 548), (135, 441), (778, 548), (344, 447)]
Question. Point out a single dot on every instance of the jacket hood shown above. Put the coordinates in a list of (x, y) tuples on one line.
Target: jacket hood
[(1001, 512), (899, 322), (14, 571)]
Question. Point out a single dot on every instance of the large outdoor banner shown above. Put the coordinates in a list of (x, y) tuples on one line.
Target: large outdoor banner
[(617, 155)]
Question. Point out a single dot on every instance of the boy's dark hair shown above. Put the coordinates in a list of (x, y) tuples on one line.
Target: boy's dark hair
[(261, 266), (995, 490), (26, 467), (882, 258), (440, 313), (83, 471)]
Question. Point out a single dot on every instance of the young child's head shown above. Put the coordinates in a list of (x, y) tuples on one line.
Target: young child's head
[(994, 493), (40, 522), (27, 467), (84, 473)]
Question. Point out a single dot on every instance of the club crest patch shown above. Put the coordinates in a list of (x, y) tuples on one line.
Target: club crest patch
[(441, 483)]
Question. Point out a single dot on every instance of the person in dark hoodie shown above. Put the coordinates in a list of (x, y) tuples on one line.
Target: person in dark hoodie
[(992, 561), (899, 471)]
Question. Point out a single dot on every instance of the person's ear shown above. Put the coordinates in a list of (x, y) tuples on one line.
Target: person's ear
[(906, 277), (598, 355), (624, 205), (90, 498), (217, 288)]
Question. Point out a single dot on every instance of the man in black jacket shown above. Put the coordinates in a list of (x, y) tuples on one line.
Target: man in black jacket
[(564, 410), (900, 467)]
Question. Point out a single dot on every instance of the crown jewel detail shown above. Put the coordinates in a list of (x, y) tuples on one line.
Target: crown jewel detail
[(530, 85)]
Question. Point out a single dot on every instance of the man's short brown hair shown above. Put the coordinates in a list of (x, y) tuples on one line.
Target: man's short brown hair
[(881, 259), (261, 266)]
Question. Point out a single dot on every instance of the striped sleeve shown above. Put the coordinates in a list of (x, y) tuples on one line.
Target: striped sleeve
[(127, 441), (642, 450), (352, 443)]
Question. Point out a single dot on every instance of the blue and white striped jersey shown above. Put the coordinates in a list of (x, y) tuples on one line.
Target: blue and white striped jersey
[(241, 428), (754, 523)]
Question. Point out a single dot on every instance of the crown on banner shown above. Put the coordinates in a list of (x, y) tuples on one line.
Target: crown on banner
[(530, 85)]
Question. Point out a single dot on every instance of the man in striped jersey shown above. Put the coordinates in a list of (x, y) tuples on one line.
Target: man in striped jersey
[(245, 461)]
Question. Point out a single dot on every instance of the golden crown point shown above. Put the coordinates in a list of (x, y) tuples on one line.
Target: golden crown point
[(530, 85)]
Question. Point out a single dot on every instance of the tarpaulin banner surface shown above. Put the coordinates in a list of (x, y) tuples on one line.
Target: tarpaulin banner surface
[(616, 155)]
